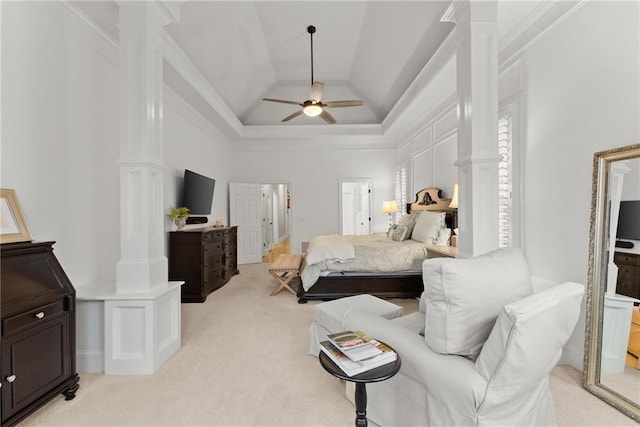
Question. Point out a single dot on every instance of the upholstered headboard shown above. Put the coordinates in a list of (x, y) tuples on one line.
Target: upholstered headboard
[(428, 199)]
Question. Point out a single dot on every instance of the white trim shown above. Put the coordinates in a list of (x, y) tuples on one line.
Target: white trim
[(75, 22), (539, 22)]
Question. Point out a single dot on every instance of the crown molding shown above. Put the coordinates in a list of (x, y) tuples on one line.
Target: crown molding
[(82, 28), (542, 19)]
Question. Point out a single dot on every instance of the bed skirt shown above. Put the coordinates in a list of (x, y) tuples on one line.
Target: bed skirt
[(391, 285)]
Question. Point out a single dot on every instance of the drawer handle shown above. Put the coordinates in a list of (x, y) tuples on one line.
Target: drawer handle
[(11, 378), (40, 315)]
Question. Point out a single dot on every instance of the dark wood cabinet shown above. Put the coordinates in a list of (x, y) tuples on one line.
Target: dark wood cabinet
[(205, 258), (628, 274), (38, 356)]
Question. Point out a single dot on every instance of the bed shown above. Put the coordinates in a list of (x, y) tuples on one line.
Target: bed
[(382, 280)]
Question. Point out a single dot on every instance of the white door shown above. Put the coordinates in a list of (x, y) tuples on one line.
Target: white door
[(244, 211), (355, 206)]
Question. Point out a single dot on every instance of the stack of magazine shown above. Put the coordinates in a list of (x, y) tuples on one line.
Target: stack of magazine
[(354, 352)]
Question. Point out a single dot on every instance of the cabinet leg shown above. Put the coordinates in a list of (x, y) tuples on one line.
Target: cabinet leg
[(70, 393)]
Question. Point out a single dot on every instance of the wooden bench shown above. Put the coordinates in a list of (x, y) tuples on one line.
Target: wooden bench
[(285, 268)]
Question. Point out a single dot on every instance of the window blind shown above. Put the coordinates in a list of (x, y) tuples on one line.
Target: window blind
[(505, 180), (401, 192)]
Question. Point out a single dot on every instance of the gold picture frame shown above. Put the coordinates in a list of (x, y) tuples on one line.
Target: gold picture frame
[(13, 225)]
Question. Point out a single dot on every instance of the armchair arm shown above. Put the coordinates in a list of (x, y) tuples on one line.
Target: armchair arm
[(450, 380)]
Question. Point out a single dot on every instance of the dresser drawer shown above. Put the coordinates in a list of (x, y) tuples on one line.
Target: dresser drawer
[(213, 276), (33, 317), (624, 258), (216, 246), (213, 260), (212, 235)]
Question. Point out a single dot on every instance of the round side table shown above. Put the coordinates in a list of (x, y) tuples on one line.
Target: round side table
[(378, 374)]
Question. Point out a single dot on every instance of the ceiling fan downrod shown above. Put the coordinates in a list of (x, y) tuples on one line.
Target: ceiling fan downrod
[(311, 29)]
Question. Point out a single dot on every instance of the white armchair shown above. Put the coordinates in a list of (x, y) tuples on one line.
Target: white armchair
[(491, 372)]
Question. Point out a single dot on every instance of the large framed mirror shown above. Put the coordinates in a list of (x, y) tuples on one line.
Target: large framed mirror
[(612, 337)]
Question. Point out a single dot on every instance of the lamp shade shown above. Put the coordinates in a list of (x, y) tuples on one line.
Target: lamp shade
[(389, 206), (454, 199)]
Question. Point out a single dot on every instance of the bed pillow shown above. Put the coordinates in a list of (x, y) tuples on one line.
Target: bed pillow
[(409, 221), (465, 296), (428, 227), (398, 233)]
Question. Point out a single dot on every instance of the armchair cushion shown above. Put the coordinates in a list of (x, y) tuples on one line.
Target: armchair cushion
[(465, 295), (524, 346)]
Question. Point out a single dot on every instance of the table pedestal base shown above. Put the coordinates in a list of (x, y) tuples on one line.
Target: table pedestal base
[(361, 405)]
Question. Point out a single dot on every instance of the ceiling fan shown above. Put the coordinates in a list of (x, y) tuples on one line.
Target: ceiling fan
[(314, 106)]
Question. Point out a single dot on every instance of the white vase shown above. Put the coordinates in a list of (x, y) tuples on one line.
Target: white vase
[(180, 223)]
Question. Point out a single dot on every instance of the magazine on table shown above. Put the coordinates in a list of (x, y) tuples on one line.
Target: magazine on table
[(351, 367), (355, 344)]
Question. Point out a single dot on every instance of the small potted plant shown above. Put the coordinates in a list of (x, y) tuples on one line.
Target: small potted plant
[(179, 216)]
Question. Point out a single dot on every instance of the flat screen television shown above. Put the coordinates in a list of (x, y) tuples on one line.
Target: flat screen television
[(197, 193), (629, 220)]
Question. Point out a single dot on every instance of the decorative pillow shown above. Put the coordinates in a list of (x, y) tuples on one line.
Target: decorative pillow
[(409, 221), (428, 226), (444, 237), (528, 333), (391, 230), (465, 295), (399, 233)]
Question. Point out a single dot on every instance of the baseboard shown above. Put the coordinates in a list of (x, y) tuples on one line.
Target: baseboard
[(90, 361)]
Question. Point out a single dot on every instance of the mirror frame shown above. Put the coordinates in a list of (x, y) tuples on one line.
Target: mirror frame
[(596, 285)]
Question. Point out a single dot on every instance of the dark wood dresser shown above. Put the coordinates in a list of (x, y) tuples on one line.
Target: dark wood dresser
[(628, 274), (38, 330), (205, 258)]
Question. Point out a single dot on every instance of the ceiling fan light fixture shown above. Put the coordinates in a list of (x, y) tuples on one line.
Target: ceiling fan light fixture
[(312, 110), (313, 106)]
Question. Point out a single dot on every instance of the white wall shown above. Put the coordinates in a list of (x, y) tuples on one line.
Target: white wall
[(60, 140), (582, 90), (314, 176), (192, 143)]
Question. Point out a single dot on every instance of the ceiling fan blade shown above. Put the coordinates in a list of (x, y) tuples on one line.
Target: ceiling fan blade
[(282, 101), (327, 117), (336, 104), (292, 116), (316, 91)]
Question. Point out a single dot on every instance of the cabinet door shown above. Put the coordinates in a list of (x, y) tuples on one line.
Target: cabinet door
[(34, 362)]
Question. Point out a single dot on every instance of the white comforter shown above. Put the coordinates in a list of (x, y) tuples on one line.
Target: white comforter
[(371, 253)]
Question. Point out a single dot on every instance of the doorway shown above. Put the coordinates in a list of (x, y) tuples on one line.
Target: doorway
[(262, 213), (355, 206)]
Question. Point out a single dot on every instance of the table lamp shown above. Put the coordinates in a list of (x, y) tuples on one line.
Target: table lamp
[(389, 207)]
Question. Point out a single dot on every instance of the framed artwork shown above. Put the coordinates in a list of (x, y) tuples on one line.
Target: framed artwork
[(13, 226)]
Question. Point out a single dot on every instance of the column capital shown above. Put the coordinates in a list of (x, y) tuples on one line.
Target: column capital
[(461, 11), (157, 13)]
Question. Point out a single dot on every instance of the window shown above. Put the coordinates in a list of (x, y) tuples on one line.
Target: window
[(401, 192)]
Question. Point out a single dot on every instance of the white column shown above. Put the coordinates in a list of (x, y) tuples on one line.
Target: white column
[(142, 266), (477, 92), (142, 313), (616, 179)]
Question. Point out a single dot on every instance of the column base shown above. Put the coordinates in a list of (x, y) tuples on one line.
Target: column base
[(141, 331)]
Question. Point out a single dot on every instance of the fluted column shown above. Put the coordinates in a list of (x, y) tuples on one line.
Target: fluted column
[(477, 92), (143, 266)]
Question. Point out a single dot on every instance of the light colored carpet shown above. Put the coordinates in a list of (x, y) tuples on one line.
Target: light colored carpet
[(243, 362)]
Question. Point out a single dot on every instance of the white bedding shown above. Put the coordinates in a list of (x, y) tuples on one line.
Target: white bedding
[(372, 253)]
